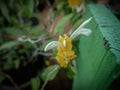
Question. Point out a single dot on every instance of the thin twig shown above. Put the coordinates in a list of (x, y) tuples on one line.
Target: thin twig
[(11, 80)]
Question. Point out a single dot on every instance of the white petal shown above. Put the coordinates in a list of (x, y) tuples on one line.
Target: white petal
[(85, 31), (60, 36), (79, 8), (64, 42), (80, 29), (84, 23), (51, 45)]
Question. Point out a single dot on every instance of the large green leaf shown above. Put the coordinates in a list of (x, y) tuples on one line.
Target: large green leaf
[(50, 72), (61, 24), (96, 61), (35, 83)]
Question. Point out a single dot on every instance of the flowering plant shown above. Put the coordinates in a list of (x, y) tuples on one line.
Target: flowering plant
[(64, 45), (65, 54)]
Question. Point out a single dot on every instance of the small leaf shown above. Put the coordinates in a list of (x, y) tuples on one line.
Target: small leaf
[(36, 31), (77, 23), (1, 77), (14, 31), (14, 21), (61, 24), (16, 63), (50, 72), (72, 71), (4, 10), (8, 45), (28, 8), (35, 83)]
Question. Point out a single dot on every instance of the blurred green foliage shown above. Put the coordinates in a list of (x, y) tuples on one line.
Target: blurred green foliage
[(16, 20)]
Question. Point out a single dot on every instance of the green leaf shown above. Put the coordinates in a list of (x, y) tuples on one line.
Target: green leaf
[(61, 24), (91, 1), (9, 44), (97, 68), (50, 72), (1, 77), (72, 71), (28, 8), (77, 23), (1, 20), (4, 10), (1, 36), (37, 15), (11, 3), (14, 31), (36, 31), (17, 63), (8, 65), (14, 21), (35, 83), (60, 5)]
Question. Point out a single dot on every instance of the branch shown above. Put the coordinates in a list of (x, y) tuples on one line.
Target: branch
[(11, 80)]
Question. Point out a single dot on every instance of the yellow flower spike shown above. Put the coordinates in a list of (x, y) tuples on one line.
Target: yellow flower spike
[(65, 53), (73, 3)]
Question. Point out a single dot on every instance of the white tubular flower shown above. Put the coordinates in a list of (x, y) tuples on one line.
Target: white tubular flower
[(51, 45), (77, 32), (81, 30)]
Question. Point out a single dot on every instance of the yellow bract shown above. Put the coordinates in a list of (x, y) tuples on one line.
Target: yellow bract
[(65, 53), (73, 3)]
